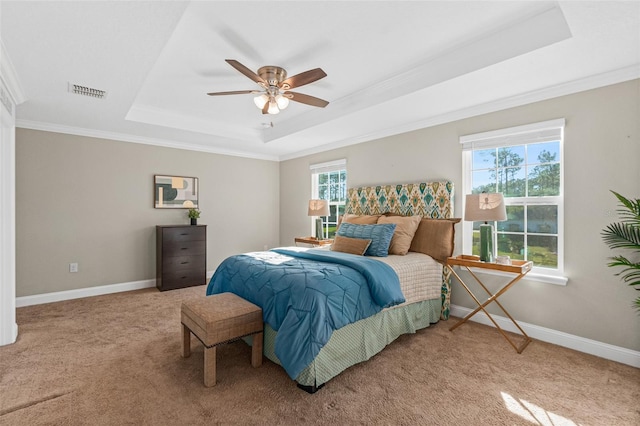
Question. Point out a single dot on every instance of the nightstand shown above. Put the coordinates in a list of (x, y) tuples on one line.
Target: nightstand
[(518, 267), (313, 241)]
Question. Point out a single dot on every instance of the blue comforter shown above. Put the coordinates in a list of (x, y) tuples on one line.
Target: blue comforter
[(306, 295)]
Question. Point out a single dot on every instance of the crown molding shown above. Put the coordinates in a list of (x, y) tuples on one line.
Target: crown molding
[(163, 117), (99, 134), (621, 75)]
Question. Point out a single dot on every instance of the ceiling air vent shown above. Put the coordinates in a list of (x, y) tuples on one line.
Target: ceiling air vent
[(87, 91)]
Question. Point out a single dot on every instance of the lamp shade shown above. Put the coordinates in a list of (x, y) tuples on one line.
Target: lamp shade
[(318, 208), (282, 101), (273, 107), (484, 207), (261, 100)]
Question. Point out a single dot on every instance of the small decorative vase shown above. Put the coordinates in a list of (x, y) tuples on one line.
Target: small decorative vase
[(194, 221)]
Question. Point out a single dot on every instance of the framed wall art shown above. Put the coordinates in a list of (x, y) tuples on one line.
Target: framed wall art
[(175, 192)]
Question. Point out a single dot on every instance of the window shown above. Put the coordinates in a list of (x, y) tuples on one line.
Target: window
[(329, 182), (525, 164)]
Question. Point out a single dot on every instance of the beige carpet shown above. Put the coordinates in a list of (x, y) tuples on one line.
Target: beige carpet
[(115, 360)]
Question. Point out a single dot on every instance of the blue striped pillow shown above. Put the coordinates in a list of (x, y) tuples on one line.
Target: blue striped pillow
[(380, 236)]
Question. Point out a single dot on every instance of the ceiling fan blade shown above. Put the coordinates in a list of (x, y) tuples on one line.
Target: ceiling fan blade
[(303, 78), (306, 99), (265, 108), (246, 71), (236, 92)]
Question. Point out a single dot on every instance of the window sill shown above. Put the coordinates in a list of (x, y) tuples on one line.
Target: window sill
[(548, 279), (531, 276)]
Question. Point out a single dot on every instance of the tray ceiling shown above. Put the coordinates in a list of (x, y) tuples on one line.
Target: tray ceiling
[(392, 66)]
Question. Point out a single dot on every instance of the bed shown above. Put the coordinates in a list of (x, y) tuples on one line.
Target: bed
[(326, 310)]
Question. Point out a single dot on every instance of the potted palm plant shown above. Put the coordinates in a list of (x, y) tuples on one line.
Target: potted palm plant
[(194, 214), (626, 235)]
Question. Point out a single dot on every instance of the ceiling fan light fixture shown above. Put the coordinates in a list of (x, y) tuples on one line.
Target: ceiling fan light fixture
[(282, 101), (261, 100), (273, 107), (274, 95)]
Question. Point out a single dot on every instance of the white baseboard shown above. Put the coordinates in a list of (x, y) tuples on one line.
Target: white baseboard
[(58, 296), (581, 344), (592, 347)]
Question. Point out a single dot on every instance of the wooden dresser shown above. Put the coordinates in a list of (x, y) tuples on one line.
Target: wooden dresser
[(181, 256)]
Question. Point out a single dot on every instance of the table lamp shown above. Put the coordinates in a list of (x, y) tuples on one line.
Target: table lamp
[(487, 208), (319, 208)]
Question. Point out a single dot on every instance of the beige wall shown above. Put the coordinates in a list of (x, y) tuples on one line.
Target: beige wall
[(90, 201), (602, 150)]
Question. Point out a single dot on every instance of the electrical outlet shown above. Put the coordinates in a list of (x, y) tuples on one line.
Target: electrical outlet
[(266, 247), (73, 267)]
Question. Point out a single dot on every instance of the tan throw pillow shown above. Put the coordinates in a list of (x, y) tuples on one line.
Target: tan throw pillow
[(435, 237), (360, 219), (350, 245), (406, 227)]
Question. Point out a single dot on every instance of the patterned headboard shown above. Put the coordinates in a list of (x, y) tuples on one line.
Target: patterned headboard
[(427, 199)]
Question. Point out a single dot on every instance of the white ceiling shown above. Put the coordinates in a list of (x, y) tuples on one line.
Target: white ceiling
[(392, 66)]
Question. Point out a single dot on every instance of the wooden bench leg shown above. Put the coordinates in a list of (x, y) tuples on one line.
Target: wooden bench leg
[(186, 341), (210, 366), (256, 350)]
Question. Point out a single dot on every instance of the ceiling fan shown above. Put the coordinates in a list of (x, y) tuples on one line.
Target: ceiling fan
[(275, 93)]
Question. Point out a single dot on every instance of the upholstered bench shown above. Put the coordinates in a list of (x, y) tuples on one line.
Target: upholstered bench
[(218, 319)]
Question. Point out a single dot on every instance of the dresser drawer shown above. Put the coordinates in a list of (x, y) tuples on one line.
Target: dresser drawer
[(174, 263), (178, 279), (184, 248), (184, 233)]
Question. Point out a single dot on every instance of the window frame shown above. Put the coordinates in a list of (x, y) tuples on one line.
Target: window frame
[(547, 131), (316, 171)]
